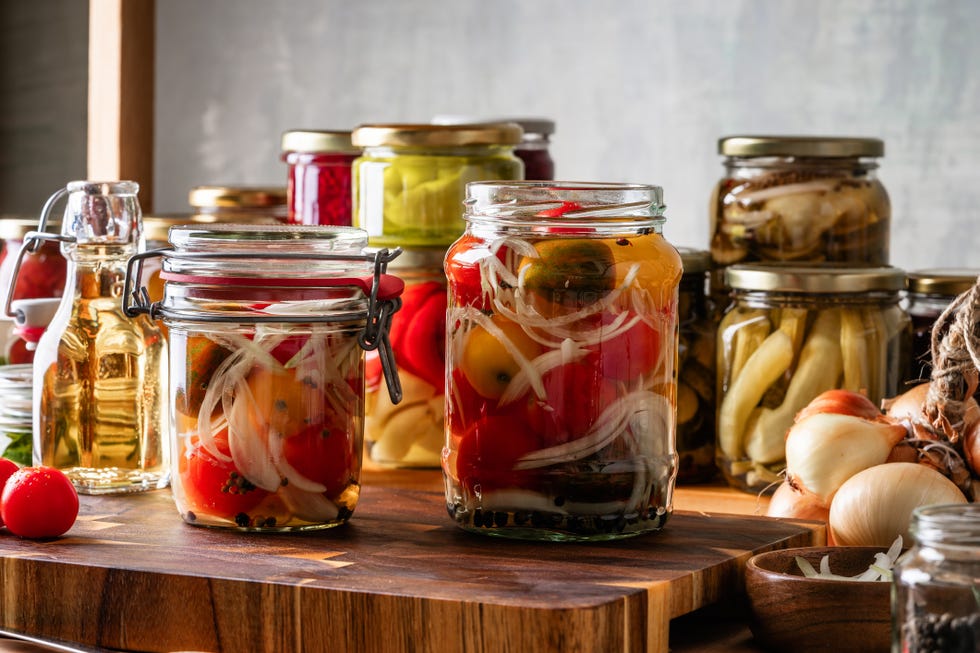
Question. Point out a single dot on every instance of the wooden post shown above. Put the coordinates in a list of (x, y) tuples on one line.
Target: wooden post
[(120, 93)]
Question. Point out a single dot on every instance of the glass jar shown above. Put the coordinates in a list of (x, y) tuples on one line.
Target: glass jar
[(800, 199), (267, 329), (561, 354), (533, 149), (411, 434), (930, 292), (696, 379), (410, 182), (16, 435), (99, 375), (239, 204), (936, 585), (791, 333), (318, 187), (42, 272)]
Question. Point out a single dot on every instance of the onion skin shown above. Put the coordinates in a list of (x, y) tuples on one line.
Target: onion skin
[(875, 506), (825, 449), (971, 438), (788, 502), (840, 402)]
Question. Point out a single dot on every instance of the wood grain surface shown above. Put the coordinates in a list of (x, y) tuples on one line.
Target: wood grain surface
[(399, 577)]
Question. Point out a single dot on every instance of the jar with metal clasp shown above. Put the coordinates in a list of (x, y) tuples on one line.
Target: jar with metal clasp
[(268, 326)]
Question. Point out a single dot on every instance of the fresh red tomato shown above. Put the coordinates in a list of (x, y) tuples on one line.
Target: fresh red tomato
[(632, 353), (214, 486), (7, 468), (490, 448), (324, 454), (576, 394), (38, 502)]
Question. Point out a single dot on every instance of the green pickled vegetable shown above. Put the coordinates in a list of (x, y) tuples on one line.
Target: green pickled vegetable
[(574, 273)]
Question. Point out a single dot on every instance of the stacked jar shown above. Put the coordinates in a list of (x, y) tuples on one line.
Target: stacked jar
[(318, 185), (791, 333), (409, 187)]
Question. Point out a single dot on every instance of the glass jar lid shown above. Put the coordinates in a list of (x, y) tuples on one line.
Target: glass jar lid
[(236, 197), (815, 278), (422, 135), (804, 146), (942, 281), (530, 125), (315, 140)]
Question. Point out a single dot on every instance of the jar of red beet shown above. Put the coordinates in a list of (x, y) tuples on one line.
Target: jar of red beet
[(318, 186), (411, 434), (268, 327), (562, 340)]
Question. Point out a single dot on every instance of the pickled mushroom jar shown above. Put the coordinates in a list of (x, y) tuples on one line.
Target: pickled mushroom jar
[(696, 376), (409, 184), (790, 333), (318, 188), (930, 292), (268, 326), (800, 199), (238, 204), (561, 353), (411, 433)]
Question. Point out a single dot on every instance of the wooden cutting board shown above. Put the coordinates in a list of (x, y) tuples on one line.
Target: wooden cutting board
[(399, 577)]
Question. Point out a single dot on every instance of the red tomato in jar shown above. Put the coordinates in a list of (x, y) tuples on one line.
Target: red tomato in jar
[(322, 453), (630, 354), (576, 394), (491, 447), (215, 486), (38, 502), (418, 332)]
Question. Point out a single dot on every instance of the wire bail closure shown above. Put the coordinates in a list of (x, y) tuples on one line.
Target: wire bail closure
[(383, 292)]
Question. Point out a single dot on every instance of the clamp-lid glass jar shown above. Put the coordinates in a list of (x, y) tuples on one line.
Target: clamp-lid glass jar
[(791, 333), (561, 353), (935, 590), (696, 376), (411, 434), (318, 185), (267, 325), (42, 272), (800, 199), (239, 203), (410, 182), (930, 292)]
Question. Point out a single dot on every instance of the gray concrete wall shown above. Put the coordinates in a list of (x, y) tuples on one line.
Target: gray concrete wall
[(640, 89)]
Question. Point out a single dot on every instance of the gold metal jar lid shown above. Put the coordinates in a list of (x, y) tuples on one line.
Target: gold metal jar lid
[(416, 135), (239, 197), (530, 125), (695, 261), (816, 278), (813, 146), (315, 140), (942, 281)]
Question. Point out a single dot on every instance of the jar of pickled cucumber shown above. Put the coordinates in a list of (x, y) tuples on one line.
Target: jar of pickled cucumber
[(930, 292), (935, 590), (696, 378), (410, 182), (800, 199), (318, 186), (791, 333), (268, 325), (561, 353), (411, 434), (239, 204)]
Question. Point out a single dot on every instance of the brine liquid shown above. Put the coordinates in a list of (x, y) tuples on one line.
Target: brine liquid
[(98, 410)]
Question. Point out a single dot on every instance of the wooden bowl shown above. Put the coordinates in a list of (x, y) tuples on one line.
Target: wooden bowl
[(790, 612)]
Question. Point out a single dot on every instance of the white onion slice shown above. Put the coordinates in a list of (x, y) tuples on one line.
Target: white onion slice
[(309, 506)]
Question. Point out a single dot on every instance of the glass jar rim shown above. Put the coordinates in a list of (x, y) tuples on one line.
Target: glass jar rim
[(814, 278), (424, 134), (803, 146), (103, 187), (318, 141), (955, 524)]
